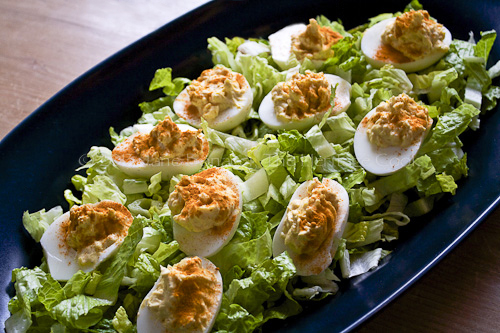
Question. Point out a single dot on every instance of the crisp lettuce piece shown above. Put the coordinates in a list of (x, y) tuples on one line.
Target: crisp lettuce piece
[(263, 284), (354, 178), (342, 162), (294, 142), (478, 77), (320, 285), (457, 52), (490, 98), (261, 76), (251, 244), (340, 129), (80, 311), (362, 263), (406, 178), (319, 142), (154, 184), (39, 295), (145, 272), (334, 25), (134, 186), (242, 307), (36, 223), (363, 233), (484, 45), (121, 322), (231, 142), (112, 276), (101, 163), (389, 78), (221, 54), (233, 43), (433, 83), (449, 127), (155, 105), (102, 188), (153, 118), (288, 188), (413, 5), (165, 251), (255, 186), (150, 240), (143, 206), (347, 57), (27, 284), (364, 102), (71, 198), (275, 169), (447, 183), (78, 182), (163, 79)]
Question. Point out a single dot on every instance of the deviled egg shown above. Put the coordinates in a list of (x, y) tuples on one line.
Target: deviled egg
[(167, 147), (206, 210), (84, 237), (302, 41), (186, 298), (389, 136), (303, 100), (220, 96), (312, 226), (411, 42)]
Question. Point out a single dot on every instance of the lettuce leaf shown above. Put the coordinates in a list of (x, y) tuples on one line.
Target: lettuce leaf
[(449, 127), (36, 223), (163, 79), (242, 307), (112, 276)]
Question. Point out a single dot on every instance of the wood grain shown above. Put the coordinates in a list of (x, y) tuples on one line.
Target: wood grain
[(44, 45)]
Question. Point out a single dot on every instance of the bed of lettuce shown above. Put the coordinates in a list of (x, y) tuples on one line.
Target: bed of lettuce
[(258, 287)]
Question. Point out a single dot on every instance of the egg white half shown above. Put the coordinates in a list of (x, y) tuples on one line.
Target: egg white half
[(136, 167), (208, 242), (372, 42), (382, 161), (281, 44), (147, 321), (62, 259), (316, 263), (342, 102), (226, 120)]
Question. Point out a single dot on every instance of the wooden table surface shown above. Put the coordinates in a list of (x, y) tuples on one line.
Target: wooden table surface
[(44, 45)]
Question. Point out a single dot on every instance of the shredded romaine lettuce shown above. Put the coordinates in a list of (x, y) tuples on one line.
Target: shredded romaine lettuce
[(271, 165)]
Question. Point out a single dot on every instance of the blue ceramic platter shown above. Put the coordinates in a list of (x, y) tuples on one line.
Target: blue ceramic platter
[(38, 158)]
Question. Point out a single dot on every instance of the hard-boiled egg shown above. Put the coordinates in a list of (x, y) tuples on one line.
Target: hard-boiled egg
[(342, 101), (385, 159), (295, 43), (79, 239), (168, 147), (222, 97), (281, 44), (185, 298), (206, 210), (379, 53), (312, 226)]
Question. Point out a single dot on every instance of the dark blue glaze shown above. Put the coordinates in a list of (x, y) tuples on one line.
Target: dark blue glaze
[(38, 158)]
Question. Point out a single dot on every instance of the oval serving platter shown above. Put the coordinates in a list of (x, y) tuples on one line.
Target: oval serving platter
[(38, 158)]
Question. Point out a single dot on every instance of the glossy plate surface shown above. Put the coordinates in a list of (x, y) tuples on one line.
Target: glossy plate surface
[(38, 158)]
